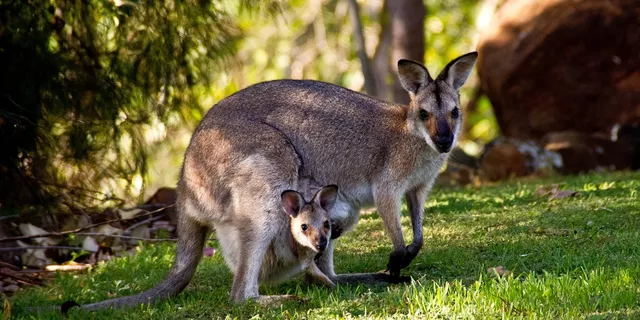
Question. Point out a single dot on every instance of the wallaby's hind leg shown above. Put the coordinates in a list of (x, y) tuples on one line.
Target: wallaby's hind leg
[(253, 248)]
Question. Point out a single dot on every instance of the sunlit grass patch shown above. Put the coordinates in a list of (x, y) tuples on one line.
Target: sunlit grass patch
[(575, 257)]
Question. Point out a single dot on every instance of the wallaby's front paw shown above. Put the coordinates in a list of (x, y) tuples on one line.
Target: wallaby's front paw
[(336, 230), (401, 259), (396, 262)]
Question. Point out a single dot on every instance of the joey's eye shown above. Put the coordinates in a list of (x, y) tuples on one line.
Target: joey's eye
[(455, 113), (327, 225), (304, 227), (424, 115)]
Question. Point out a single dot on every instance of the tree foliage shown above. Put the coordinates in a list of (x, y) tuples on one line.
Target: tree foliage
[(84, 85)]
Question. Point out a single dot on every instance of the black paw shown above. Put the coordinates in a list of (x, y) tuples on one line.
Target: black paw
[(336, 230), (67, 305), (385, 276), (401, 259), (396, 261)]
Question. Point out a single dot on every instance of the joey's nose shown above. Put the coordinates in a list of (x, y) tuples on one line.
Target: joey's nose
[(443, 143), (322, 244)]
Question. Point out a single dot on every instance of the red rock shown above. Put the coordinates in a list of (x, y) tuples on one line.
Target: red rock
[(558, 65)]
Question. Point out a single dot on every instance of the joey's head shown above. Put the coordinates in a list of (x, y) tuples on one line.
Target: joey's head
[(434, 112), (310, 225)]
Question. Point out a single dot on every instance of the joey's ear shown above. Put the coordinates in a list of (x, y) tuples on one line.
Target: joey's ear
[(326, 197), (413, 75), (292, 202), (457, 71)]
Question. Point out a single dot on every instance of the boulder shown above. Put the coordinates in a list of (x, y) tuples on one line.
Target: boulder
[(505, 158), (582, 152), (562, 65)]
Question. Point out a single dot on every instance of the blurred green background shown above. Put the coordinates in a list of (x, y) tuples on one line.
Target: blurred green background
[(99, 98)]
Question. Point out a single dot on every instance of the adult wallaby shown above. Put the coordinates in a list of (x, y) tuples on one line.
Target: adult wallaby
[(262, 140)]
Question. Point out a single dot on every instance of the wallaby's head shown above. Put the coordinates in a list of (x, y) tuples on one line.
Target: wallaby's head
[(310, 224), (434, 112)]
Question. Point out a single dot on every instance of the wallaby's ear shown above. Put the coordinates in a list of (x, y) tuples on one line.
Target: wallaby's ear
[(292, 202), (326, 197), (457, 71), (413, 75)]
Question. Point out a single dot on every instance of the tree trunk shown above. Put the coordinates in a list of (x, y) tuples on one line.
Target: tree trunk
[(358, 35), (408, 40)]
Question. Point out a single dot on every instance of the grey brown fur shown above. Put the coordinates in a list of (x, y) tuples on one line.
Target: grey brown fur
[(269, 137)]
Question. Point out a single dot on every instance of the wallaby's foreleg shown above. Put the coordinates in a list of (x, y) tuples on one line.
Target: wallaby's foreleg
[(389, 210), (415, 203), (314, 274)]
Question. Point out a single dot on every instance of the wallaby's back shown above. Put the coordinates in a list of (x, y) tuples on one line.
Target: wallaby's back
[(316, 117)]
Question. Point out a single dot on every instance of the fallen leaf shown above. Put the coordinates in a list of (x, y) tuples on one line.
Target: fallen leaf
[(209, 251), (11, 288), (28, 229), (139, 232), (90, 244), (498, 271), (33, 257), (108, 230)]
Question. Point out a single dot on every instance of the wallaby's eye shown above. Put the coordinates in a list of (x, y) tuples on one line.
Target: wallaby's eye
[(455, 113), (424, 115), (327, 225), (304, 227)]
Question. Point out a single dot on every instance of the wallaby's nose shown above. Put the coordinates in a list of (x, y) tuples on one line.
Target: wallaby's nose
[(322, 244), (444, 142)]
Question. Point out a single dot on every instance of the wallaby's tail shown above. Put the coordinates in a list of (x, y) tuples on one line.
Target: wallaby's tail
[(191, 239)]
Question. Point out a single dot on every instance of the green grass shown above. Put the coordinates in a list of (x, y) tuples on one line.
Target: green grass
[(570, 258)]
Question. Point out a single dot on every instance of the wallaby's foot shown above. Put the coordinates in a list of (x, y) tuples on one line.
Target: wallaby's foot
[(320, 279), (315, 275), (278, 299), (401, 259), (326, 282), (369, 278)]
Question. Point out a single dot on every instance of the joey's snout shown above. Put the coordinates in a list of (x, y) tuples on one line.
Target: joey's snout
[(322, 243)]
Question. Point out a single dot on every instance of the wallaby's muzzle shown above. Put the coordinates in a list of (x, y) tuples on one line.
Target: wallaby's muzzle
[(443, 143)]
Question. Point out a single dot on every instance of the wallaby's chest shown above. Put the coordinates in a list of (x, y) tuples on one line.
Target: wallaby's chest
[(283, 262)]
